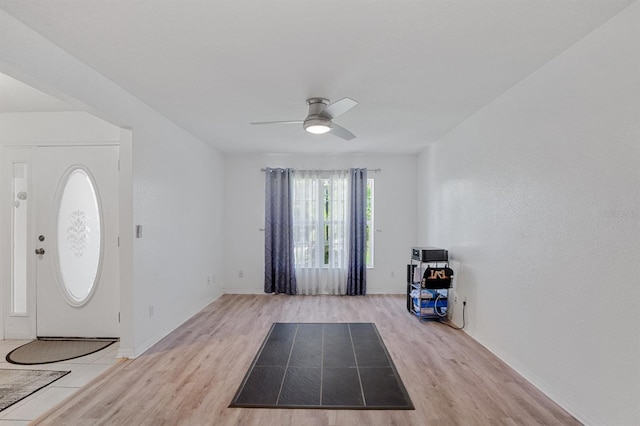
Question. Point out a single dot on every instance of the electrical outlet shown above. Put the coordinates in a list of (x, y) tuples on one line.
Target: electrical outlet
[(150, 311), (240, 273), (208, 280)]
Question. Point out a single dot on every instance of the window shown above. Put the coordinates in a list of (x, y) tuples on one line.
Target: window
[(19, 255), (320, 217)]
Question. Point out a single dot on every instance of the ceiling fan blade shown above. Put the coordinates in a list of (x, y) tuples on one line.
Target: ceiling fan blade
[(338, 108), (279, 122), (341, 132)]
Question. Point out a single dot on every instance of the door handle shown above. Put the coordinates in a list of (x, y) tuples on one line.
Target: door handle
[(40, 251)]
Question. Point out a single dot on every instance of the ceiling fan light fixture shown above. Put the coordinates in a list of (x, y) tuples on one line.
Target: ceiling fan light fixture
[(317, 126), (318, 129)]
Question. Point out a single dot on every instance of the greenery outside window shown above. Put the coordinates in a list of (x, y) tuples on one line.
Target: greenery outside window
[(320, 220)]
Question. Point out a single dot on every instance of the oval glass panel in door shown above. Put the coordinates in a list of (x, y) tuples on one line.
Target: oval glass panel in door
[(78, 236)]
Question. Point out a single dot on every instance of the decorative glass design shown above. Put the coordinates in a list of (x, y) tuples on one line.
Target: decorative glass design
[(78, 232), (78, 236)]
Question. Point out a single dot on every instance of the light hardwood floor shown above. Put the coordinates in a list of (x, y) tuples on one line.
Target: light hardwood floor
[(191, 376)]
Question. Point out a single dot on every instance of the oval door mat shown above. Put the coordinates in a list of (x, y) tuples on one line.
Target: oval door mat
[(48, 350)]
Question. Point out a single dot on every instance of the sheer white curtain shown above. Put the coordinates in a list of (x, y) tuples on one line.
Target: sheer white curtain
[(320, 221)]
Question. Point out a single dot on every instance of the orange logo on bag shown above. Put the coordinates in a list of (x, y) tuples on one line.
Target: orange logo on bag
[(437, 274)]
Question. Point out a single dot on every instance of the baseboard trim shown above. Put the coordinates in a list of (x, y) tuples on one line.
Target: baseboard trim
[(261, 291), (242, 291)]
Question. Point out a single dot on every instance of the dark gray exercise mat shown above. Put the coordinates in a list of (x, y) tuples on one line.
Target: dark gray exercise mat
[(323, 365)]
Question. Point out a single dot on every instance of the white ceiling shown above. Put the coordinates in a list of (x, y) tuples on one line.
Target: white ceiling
[(417, 68)]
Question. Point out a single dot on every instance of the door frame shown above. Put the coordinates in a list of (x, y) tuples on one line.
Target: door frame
[(125, 212)]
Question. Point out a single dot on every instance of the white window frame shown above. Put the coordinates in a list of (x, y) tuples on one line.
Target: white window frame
[(370, 223)]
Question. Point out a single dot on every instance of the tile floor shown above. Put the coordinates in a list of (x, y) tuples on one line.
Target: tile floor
[(83, 370)]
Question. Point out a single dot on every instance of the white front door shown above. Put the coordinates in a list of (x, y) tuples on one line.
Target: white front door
[(76, 241)]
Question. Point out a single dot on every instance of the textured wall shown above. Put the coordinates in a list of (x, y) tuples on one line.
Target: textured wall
[(536, 196)]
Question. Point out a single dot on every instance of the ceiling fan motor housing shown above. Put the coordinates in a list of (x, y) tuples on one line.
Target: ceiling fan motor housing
[(317, 105), (315, 121)]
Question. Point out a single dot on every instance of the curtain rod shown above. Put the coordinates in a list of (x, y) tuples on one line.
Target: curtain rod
[(327, 171)]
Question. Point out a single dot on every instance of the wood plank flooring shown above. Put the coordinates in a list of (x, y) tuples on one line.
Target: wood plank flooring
[(191, 376)]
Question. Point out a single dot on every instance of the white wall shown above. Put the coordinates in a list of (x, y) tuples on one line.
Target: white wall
[(536, 196), (178, 201), (394, 210), (61, 127), (176, 185)]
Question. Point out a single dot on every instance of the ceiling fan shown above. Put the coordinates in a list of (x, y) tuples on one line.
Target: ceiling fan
[(321, 114)]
